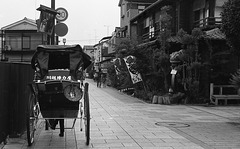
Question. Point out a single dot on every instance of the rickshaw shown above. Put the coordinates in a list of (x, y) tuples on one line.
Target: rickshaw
[(57, 91)]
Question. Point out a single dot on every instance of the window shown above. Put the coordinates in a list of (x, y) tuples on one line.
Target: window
[(122, 10), (14, 42), (146, 22), (151, 32), (128, 6), (197, 15), (151, 27), (140, 8), (26, 42), (58, 60)]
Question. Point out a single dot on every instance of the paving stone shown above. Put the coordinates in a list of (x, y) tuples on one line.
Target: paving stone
[(119, 121)]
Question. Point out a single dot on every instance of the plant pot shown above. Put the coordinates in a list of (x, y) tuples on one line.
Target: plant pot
[(238, 91)]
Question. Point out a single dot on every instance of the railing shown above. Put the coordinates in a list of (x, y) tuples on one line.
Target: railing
[(152, 35), (149, 35), (208, 21), (14, 78)]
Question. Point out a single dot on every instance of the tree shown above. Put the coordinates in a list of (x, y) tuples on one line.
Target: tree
[(161, 56), (231, 22), (187, 63)]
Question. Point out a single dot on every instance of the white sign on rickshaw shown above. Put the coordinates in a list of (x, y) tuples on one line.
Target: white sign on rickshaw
[(58, 77), (174, 71)]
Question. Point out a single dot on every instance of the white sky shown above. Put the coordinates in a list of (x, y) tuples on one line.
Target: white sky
[(88, 20)]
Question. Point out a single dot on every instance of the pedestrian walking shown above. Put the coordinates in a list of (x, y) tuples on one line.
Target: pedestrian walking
[(98, 78), (103, 79), (95, 76)]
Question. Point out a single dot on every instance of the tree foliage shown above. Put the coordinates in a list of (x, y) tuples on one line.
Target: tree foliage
[(189, 62), (231, 22)]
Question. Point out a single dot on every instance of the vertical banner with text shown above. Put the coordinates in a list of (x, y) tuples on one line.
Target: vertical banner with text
[(130, 63)]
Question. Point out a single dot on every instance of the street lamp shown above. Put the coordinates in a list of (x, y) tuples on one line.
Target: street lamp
[(64, 41)]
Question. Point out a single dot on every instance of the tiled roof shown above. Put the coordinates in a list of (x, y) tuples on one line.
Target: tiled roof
[(137, 1), (143, 1), (88, 47), (147, 43), (175, 39), (215, 34), (155, 5), (24, 20)]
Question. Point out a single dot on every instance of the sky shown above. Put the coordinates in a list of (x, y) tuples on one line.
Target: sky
[(88, 20)]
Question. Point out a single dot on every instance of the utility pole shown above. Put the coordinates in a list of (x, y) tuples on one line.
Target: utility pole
[(53, 32), (107, 28)]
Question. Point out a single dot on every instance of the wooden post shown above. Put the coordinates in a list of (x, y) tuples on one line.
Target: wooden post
[(211, 89)]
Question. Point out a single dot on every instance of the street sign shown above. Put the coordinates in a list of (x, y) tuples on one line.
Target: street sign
[(61, 29), (62, 14)]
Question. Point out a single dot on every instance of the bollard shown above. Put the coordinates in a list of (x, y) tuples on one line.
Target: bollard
[(160, 100), (155, 99)]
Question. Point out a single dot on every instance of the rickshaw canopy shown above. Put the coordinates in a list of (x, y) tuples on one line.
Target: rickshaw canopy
[(70, 57)]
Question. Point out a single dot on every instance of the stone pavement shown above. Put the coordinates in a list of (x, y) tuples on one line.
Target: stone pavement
[(119, 121)]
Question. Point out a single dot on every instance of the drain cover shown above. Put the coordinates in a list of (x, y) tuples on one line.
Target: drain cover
[(172, 124)]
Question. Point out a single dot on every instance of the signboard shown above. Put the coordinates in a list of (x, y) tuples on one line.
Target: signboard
[(135, 75), (62, 14), (174, 71), (46, 21), (58, 75)]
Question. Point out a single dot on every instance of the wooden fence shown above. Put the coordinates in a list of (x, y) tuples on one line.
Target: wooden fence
[(14, 78)]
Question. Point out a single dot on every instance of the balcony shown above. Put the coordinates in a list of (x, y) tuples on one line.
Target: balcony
[(149, 33), (208, 22)]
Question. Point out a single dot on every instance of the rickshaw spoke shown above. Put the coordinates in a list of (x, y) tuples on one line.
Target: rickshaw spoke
[(31, 118)]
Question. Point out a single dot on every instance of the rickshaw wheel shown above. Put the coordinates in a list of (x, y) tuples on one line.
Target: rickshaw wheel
[(32, 112), (86, 114)]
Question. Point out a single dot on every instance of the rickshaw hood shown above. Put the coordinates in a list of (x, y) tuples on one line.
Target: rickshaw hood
[(77, 57)]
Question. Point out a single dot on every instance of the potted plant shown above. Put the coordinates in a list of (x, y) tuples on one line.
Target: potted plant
[(235, 80)]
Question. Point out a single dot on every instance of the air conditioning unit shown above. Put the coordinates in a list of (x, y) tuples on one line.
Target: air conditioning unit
[(7, 47)]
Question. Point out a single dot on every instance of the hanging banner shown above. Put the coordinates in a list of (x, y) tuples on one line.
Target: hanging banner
[(135, 75), (46, 20), (116, 62)]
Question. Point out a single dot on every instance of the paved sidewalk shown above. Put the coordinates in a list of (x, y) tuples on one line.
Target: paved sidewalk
[(119, 121)]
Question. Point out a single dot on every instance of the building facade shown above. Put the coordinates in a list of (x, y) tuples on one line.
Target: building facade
[(20, 39), (215, 55), (186, 15), (128, 10), (89, 50), (101, 54)]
